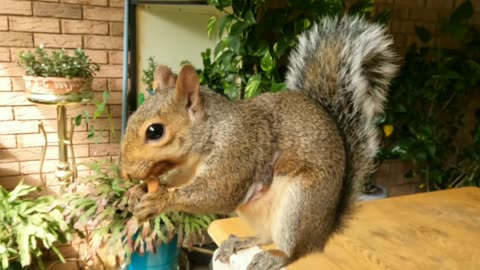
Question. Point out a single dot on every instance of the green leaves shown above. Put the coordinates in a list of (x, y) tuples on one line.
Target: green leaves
[(102, 205), (423, 34), (148, 74), (58, 64), (427, 106), (462, 13), (266, 63), (26, 221), (211, 26), (255, 40), (253, 86)]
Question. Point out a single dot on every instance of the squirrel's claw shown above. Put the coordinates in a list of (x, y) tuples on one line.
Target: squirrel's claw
[(150, 205), (266, 260), (135, 194)]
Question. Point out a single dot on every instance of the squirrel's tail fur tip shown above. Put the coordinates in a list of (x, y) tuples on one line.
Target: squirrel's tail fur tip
[(349, 55), (347, 64)]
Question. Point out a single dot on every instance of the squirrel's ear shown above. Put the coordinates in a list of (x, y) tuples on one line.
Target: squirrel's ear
[(188, 88), (163, 78)]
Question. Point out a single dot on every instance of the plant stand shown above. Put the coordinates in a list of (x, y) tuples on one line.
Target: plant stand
[(59, 92)]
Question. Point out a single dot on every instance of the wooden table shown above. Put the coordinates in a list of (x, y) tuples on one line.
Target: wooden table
[(436, 230)]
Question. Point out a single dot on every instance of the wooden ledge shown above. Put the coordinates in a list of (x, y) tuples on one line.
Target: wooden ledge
[(436, 230)]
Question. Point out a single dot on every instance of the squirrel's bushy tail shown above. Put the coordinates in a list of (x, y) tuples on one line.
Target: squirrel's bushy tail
[(347, 64)]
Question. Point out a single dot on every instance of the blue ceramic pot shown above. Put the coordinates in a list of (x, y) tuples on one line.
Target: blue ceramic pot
[(166, 258)]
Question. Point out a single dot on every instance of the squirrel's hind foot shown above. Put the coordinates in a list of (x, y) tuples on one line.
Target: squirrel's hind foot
[(268, 260)]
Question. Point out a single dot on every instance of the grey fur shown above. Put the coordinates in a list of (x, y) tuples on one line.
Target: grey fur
[(362, 70), (345, 65)]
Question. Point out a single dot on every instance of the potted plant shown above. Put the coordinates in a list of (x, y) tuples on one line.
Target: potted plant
[(98, 211), (58, 77), (28, 226)]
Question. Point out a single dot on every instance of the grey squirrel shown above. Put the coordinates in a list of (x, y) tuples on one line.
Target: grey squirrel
[(288, 163)]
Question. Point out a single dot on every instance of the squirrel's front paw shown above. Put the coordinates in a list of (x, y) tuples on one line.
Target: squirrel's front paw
[(151, 205), (135, 194)]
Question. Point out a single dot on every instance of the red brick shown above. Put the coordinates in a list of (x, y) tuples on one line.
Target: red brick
[(103, 42), (5, 84), (115, 57), (51, 126), (58, 41), (10, 168), (99, 84), (115, 97), (16, 127), (10, 182), (105, 123), (36, 139), (10, 69), (57, 10), (410, 3), (82, 137), (115, 136), (79, 151), (87, 2), (18, 84), (116, 3), (103, 13), (82, 163), (476, 18), (404, 27), (440, 4), (4, 55), (3, 23), (21, 154), (116, 111), (15, 52), (47, 112), (13, 99), (8, 141), (402, 190), (33, 167), (97, 56), (35, 112), (115, 84), (11, 7), (110, 149), (12, 39), (34, 24), (426, 14), (116, 29), (84, 27), (110, 71), (397, 13), (6, 113)]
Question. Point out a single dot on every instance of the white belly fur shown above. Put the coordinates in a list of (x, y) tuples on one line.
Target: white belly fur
[(261, 210)]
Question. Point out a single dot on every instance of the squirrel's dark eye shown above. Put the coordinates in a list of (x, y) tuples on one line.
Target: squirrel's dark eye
[(155, 132)]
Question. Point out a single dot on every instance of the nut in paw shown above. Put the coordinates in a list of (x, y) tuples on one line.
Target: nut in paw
[(151, 205)]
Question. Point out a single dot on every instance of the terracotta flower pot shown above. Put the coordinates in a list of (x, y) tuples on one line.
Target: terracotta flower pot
[(58, 90)]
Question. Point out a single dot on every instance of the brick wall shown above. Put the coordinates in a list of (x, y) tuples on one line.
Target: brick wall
[(96, 26), (405, 15), (408, 13)]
